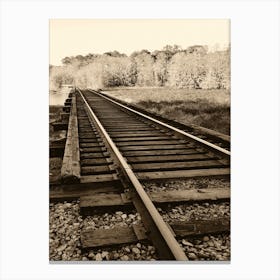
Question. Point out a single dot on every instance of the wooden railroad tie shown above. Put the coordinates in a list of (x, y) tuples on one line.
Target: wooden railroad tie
[(94, 238), (60, 125), (57, 148), (220, 137), (103, 202), (64, 117), (156, 175)]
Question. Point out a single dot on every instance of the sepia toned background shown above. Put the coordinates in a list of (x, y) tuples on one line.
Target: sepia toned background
[(129, 35), (179, 69), (161, 61)]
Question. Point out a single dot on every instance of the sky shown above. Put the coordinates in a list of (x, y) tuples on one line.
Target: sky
[(71, 37)]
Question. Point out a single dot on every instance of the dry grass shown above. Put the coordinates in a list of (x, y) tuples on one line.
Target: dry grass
[(207, 108)]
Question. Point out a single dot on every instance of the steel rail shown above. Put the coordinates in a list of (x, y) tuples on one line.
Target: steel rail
[(212, 146), (171, 244)]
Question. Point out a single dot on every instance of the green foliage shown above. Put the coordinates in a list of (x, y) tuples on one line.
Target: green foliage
[(172, 66)]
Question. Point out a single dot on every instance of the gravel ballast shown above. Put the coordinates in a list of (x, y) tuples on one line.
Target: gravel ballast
[(207, 248), (64, 231), (66, 225), (204, 248), (111, 220), (203, 211), (138, 252), (186, 184)]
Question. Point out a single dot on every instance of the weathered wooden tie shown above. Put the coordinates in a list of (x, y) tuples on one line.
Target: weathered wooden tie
[(67, 109), (175, 174), (56, 147), (74, 192), (65, 117), (92, 238), (60, 125), (89, 204), (57, 150)]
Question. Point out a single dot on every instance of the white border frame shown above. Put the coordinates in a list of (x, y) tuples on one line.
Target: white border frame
[(24, 138)]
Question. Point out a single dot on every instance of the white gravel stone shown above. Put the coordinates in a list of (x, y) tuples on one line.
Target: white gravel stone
[(125, 258), (98, 257), (61, 248), (135, 250), (91, 255), (151, 248), (186, 243), (192, 256), (104, 254), (127, 249), (116, 256)]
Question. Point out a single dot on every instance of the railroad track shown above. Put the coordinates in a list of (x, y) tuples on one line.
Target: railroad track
[(111, 149), (152, 149), (209, 135)]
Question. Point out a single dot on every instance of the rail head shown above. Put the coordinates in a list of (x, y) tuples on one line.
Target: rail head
[(211, 146), (171, 244)]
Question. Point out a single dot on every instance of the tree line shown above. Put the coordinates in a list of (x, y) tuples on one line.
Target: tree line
[(192, 68)]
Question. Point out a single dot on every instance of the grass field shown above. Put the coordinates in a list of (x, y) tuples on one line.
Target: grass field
[(207, 108)]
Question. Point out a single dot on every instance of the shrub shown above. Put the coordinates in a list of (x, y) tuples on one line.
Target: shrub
[(192, 68)]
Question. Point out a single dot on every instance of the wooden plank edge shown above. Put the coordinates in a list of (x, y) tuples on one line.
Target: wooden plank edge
[(71, 169)]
